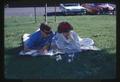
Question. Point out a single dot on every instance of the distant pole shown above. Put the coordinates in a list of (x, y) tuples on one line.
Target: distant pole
[(55, 12), (46, 13), (35, 14)]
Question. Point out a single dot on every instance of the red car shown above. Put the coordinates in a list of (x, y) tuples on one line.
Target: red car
[(91, 8), (99, 8)]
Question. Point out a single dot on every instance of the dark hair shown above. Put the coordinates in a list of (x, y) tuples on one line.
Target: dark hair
[(64, 27), (45, 27)]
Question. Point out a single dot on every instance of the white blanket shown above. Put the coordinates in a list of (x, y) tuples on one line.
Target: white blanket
[(74, 43), (38, 53), (80, 45)]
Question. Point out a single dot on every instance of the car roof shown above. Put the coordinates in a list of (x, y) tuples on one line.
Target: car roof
[(70, 3)]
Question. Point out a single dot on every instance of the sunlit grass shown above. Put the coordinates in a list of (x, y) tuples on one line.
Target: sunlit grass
[(102, 29)]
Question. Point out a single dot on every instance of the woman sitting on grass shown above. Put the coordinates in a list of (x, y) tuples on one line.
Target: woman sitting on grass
[(39, 40), (66, 39)]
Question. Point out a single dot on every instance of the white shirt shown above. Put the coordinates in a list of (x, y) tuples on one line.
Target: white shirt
[(72, 44)]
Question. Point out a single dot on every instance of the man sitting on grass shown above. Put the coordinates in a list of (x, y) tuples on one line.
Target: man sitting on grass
[(39, 40)]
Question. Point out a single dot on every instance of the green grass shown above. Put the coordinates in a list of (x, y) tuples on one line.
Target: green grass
[(88, 65)]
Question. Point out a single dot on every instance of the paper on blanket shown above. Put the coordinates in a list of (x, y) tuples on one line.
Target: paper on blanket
[(25, 37), (38, 53), (88, 44), (31, 52), (89, 48)]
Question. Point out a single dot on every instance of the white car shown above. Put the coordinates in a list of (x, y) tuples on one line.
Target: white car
[(72, 8)]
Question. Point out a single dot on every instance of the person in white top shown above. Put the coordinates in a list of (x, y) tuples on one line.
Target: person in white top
[(66, 39)]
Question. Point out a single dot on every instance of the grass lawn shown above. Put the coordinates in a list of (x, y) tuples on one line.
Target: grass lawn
[(88, 65)]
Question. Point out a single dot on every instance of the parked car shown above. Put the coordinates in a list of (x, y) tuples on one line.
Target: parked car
[(72, 8), (99, 8), (91, 8), (107, 8)]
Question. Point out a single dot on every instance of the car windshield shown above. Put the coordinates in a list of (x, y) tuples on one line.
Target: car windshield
[(71, 4)]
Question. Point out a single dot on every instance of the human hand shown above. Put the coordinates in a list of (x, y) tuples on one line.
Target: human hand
[(43, 51)]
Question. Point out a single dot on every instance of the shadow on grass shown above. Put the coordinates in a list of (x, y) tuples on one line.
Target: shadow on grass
[(86, 65), (13, 51)]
